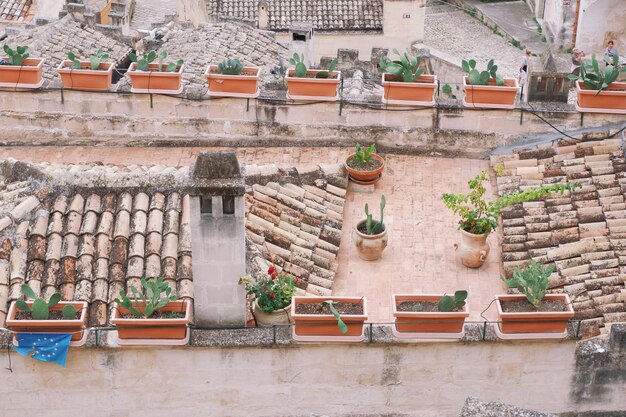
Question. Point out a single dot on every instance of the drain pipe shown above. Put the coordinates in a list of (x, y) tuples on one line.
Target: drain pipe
[(575, 31)]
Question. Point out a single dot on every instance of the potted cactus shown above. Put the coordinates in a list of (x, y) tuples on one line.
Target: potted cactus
[(370, 236), (94, 74), (405, 83), (421, 314), (312, 84), (231, 79), (52, 316), (365, 166), (597, 88), (18, 70), (328, 318), (152, 313), (486, 89), (147, 76)]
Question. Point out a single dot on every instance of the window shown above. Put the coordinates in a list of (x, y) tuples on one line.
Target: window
[(228, 204), (206, 205)]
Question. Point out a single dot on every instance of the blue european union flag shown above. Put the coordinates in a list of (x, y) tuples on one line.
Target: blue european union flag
[(47, 347)]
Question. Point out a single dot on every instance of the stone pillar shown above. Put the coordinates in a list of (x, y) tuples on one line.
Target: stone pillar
[(120, 15), (301, 41), (218, 240)]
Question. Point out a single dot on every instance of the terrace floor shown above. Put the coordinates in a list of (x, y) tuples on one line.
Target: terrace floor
[(422, 232)]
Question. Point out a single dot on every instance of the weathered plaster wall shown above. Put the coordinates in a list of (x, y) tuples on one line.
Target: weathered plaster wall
[(559, 21), (600, 22), (192, 10)]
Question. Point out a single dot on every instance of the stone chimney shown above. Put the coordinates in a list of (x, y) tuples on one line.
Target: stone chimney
[(264, 19)]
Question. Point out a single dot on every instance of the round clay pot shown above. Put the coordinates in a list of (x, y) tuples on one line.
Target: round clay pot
[(473, 249), (264, 319), (369, 247), (365, 175)]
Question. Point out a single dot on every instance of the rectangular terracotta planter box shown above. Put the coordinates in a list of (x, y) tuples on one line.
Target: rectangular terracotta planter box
[(247, 84), (156, 81), (50, 326), (22, 76), (326, 324), (421, 92), (611, 100), (312, 88), (427, 322), (85, 78), (139, 328), (537, 321), (491, 96)]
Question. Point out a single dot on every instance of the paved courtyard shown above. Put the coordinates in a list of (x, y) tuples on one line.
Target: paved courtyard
[(422, 232)]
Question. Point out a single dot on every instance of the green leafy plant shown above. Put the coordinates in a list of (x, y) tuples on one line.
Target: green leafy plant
[(230, 67), (300, 68), (406, 67), (143, 63), (158, 295), (272, 293), (447, 90), (40, 309), (481, 217), (373, 227), (362, 155), (531, 281), (343, 328), (448, 303), (17, 56), (598, 78), (94, 61), (476, 77)]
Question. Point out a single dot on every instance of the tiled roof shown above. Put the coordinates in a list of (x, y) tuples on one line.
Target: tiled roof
[(330, 15), (583, 234), (294, 221), (15, 10)]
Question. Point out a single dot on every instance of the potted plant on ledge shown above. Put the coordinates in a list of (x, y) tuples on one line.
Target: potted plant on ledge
[(430, 316), (480, 217), (486, 89), (156, 315), (365, 166), (532, 314), (94, 74), (231, 79), (147, 76), (17, 70), (597, 88), (311, 84), (272, 297), (327, 319), (404, 83), (370, 236)]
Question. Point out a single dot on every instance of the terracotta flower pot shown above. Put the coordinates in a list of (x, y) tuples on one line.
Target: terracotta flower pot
[(326, 324), (50, 326), (277, 317), (418, 93), (473, 249), (150, 328), (427, 322), (369, 247), (22, 76), (244, 85), (611, 100), (491, 95), (365, 176), (534, 321), (317, 89), (154, 81), (85, 78)]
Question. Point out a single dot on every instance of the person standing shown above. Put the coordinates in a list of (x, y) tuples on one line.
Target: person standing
[(523, 71), (610, 53), (577, 57)]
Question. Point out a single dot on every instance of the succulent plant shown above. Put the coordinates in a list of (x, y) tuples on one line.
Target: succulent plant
[(343, 328), (406, 67), (230, 67), (143, 63), (40, 309), (95, 60), (17, 56), (373, 227), (476, 77), (158, 295), (363, 155), (300, 68), (596, 78), (532, 281), (448, 303)]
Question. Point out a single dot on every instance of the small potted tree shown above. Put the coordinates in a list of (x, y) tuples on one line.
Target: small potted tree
[(328, 318), (94, 74), (18, 70), (272, 297), (480, 217), (155, 314), (52, 316), (597, 88), (430, 315), (312, 84), (486, 89), (365, 166), (404, 83), (147, 76), (370, 236), (231, 79), (533, 312)]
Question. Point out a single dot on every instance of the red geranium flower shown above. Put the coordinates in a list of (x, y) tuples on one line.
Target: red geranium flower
[(271, 269), (264, 288), (272, 295), (273, 275)]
